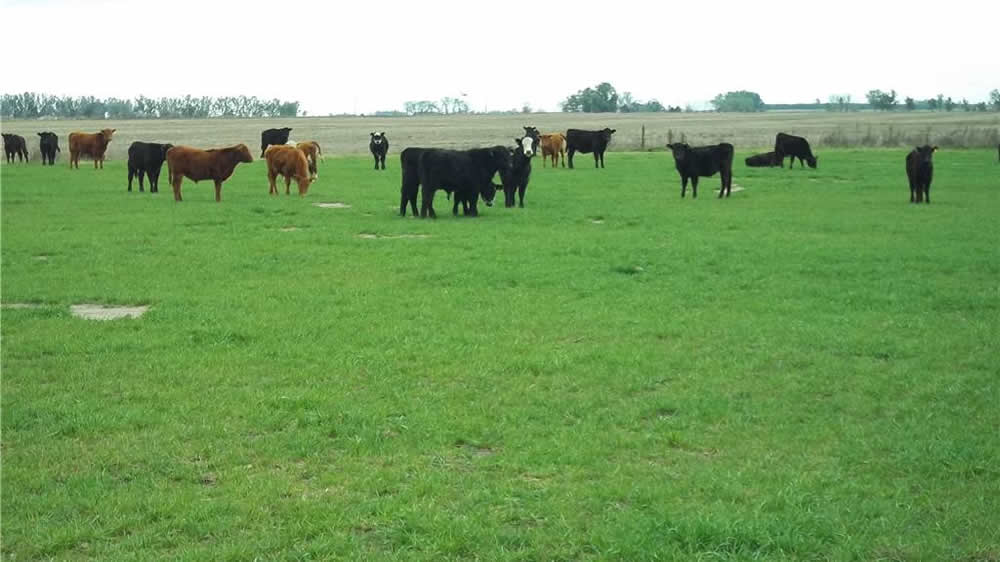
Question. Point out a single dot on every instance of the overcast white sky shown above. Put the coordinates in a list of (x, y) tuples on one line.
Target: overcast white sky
[(353, 56)]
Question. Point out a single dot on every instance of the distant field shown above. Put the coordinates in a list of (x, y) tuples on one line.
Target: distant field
[(805, 371), (349, 135)]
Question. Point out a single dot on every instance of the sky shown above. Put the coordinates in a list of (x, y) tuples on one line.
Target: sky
[(360, 57)]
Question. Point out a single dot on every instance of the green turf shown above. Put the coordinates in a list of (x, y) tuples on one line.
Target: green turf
[(807, 370)]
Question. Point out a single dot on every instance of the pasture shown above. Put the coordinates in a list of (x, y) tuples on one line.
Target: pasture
[(806, 370)]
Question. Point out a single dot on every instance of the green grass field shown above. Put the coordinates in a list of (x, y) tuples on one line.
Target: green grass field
[(809, 370)]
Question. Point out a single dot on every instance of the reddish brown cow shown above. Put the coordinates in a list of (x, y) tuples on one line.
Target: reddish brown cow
[(290, 162), (554, 145), (93, 145), (313, 153), (215, 164)]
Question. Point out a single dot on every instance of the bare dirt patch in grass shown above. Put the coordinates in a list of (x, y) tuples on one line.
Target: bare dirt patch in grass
[(101, 312), (335, 205), (21, 305), (290, 229)]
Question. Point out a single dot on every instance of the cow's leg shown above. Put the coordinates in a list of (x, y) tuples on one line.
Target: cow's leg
[(175, 183), (597, 159), (927, 193), (725, 181), (427, 203), (520, 192), (288, 183), (272, 183), (570, 153), (383, 161), (131, 172), (454, 205), (218, 191), (694, 187), (142, 174)]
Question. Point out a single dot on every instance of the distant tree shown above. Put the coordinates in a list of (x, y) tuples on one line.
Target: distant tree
[(965, 105), (526, 107), (600, 99), (981, 106), (940, 102), (422, 107), (453, 105), (995, 99), (885, 101), (932, 104), (839, 102), (910, 103), (741, 101), (948, 104)]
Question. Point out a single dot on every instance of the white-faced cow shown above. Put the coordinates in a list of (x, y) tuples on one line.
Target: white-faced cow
[(920, 172), (515, 180), (379, 146), (587, 142), (703, 161)]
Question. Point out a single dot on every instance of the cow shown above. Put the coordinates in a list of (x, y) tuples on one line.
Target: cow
[(15, 145), (146, 159), (273, 136), (215, 164), (379, 146), (920, 172), (48, 145), (89, 144), (409, 165), (766, 159), (587, 142), (290, 162), (535, 136), (313, 153), (554, 145), (703, 161), (469, 173), (516, 178), (796, 147)]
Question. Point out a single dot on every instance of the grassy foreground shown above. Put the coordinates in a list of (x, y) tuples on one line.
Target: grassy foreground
[(808, 370)]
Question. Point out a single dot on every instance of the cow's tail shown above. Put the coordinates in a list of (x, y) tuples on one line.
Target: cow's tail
[(318, 150)]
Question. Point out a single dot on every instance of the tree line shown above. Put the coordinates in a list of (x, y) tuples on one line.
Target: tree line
[(32, 105), (889, 101)]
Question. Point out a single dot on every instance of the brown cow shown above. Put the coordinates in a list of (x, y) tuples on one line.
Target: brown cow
[(215, 164), (89, 144), (312, 152), (553, 144), (290, 162)]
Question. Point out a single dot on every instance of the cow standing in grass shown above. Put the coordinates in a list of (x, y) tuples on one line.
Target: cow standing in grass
[(515, 180), (215, 164), (313, 153), (15, 145), (146, 158), (273, 136), (703, 161), (920, 172), (378, 145), (587, 142), (48, 145), (290, 162), (93, 145), (535, 137), (469, 173), (554, 145), (796, 147)]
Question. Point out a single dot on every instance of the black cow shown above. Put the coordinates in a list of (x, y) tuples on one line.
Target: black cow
[(587, 142), (48, 145), (920, 172), (469, 173), (767, 159), (516, 179), (379, 146), (15, 145), (704, 161), (273, 136), (536, 137), (409, 165), (796, 147), (146, 158)]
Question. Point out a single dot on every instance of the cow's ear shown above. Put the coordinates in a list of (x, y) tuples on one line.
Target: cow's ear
[(934, 149), (113, 130), (372, 133), (41, 134), (382, 133)]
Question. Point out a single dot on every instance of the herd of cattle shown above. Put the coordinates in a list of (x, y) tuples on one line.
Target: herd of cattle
[(468, 174)]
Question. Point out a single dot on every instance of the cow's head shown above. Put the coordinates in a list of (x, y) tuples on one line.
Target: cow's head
[(164, 148), (811, 160), (680, 150), (606, 134), (925, 153), (242, 153), (501, 157), (488, 192), (525, 145), (378, 139)]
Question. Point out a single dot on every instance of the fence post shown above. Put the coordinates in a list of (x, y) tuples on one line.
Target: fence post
[(642, 145)]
